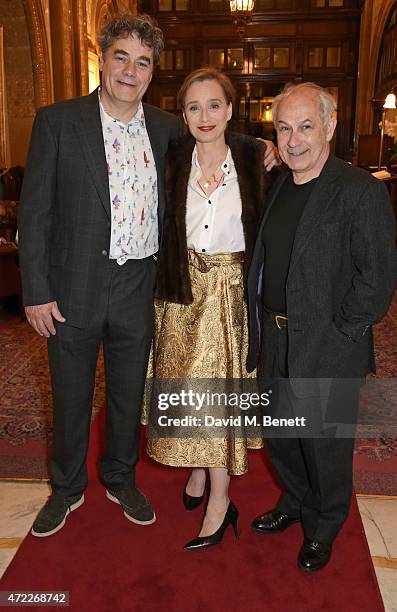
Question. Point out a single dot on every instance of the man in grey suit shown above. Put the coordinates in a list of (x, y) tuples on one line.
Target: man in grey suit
[(91, 211), (323, 272)]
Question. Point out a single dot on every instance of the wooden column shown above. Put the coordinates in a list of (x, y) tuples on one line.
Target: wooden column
[(63, 57), (40, 53), (80, 46)]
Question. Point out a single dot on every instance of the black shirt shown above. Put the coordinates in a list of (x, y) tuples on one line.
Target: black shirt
[(278, 238)]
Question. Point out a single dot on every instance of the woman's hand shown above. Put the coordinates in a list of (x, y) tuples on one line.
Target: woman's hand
[(272, 157)]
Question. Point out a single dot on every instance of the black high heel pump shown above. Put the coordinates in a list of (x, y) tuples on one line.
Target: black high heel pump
[(190, 502), (231, 517)]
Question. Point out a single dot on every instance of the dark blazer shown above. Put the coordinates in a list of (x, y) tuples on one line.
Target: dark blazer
[(341, 277), (173, 280), (64, 224)]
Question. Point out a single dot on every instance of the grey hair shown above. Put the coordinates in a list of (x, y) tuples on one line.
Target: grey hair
[(143, 26), (327, 102)]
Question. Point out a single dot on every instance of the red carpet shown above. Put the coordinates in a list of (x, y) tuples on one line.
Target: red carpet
[(25, 407), (108, 563)]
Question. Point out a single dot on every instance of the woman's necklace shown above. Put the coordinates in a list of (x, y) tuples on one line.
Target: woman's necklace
[(211, 182)]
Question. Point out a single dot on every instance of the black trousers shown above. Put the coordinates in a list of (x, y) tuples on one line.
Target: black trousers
[(123, 322), (315, 472)]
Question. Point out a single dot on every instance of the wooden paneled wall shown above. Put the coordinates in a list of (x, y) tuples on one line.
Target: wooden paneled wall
[(287, 40)]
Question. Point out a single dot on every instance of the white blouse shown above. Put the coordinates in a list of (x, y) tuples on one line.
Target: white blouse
[(213, 223)]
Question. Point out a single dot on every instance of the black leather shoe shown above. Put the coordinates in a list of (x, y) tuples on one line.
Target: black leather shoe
[(273, 522), (231, 517), (313, 555)]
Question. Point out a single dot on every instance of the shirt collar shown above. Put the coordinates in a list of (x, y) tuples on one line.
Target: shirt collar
[(138, 119), (227, 166)]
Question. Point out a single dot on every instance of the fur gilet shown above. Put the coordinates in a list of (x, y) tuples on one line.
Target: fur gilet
[(173, 280)]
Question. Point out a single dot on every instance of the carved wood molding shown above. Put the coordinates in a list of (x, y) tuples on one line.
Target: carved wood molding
[(40, 53), (383, 17), (80, 20), (91, 11), (104, 10), (386, 54), (98, 10)]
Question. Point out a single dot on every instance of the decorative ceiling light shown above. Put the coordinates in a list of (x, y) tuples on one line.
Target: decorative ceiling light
[(241, 11)]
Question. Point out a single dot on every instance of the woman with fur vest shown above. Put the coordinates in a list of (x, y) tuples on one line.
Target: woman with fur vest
[(215, 188)]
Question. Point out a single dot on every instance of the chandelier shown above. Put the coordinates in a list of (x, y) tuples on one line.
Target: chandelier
[(241, 11)]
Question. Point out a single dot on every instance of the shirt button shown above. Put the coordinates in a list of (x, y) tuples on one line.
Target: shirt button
[(206, 226), (203, 250), (225, 165), (104, 252), (209, 201)]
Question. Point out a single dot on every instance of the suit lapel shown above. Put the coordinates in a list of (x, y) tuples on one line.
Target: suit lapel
[(153, 127), (91, 138), (271, 196), (318, 202), (156, 137), (255, 271)]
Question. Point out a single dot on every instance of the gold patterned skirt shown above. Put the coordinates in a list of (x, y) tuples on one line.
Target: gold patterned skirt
[(206, 339)]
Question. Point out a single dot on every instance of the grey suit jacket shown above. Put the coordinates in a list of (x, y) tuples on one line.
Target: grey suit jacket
[(341, 277), (64, 222)]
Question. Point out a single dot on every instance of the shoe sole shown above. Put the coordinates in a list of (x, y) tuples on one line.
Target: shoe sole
[(127, 516), (209, 546), (74, 506), (310, 570)]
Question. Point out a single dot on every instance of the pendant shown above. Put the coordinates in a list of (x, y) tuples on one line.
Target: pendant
[(207, 184)]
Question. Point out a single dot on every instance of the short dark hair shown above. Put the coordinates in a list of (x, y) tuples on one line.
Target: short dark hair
[(126, 24), (207, 74)]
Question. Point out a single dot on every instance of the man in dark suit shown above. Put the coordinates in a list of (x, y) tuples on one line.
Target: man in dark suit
[(323, 272), (91, 211)]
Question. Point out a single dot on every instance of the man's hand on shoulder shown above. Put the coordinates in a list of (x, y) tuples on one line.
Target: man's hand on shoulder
[(272, 158), (40, 318)]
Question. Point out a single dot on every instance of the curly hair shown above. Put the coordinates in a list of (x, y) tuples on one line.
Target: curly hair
[(143, 27)]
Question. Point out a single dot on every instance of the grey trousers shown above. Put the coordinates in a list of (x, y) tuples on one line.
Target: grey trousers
[(123, 322), (315, 472)]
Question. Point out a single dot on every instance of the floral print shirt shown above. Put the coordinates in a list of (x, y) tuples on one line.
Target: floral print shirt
[(133, 187)]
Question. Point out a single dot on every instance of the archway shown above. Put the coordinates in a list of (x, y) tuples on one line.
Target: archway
[(376, 15)]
